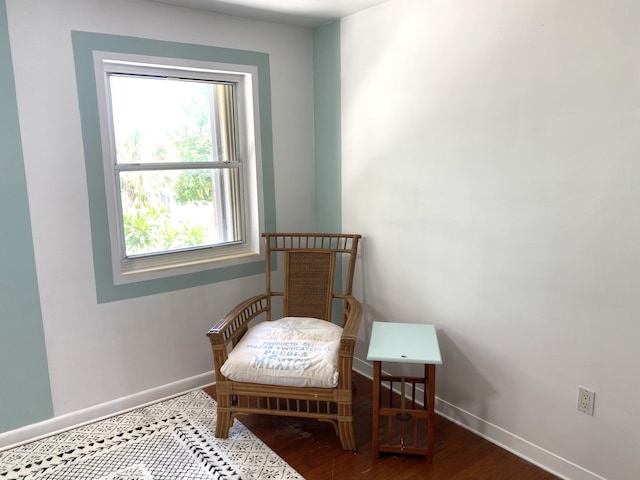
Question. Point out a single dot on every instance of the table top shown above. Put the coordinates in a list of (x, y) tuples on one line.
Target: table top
[(404, 343)]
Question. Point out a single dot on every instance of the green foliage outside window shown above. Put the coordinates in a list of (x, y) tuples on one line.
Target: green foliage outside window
[(149, 198)]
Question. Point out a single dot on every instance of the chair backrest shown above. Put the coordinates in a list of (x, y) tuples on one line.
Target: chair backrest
[(311, 261)]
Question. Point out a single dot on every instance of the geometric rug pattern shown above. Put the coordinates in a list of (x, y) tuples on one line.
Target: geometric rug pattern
[(169, 440)]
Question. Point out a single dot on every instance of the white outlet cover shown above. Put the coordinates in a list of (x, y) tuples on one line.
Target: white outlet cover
[(586, 400)]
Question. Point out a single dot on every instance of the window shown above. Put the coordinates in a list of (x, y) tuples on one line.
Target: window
[(115, 278), (181, 165)]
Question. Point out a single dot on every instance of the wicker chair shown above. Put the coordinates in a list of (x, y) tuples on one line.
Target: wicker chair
[(309, 262)]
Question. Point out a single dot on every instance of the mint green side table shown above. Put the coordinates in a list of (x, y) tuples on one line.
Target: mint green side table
[(408, 421)]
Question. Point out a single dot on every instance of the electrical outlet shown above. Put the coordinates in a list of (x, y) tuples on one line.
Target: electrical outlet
[(586, 399)]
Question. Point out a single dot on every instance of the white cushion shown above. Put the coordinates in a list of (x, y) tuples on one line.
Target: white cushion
[(292, 351)]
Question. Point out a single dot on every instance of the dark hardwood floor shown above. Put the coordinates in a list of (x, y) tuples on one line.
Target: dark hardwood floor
[(313, 449)]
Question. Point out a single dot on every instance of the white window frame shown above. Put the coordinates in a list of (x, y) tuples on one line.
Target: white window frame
[(249, 248)]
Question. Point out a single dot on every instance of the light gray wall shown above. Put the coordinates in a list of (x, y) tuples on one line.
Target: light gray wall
[(490, 158), (140, 348)]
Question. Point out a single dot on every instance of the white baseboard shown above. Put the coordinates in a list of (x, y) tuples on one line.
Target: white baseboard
[(58, 424), (504, 439)]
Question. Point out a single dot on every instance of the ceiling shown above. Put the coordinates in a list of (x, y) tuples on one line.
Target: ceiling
[(308, 13)]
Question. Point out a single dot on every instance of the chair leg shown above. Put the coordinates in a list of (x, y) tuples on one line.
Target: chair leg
[(345, 420), (347, 436), (223, 423), (224, 417)]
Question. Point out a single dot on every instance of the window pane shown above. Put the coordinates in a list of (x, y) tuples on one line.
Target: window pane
[(167, 210), (158, 120)]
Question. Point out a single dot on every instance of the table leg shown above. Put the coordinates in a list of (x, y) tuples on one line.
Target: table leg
[(377, 369), (430, 376)]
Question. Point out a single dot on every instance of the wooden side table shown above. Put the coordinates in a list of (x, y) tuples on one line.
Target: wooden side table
[(409, 425)]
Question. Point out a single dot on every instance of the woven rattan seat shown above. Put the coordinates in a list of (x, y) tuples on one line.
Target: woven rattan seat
[(312, 264)]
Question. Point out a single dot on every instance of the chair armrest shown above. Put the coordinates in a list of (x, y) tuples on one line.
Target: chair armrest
[(353, 315), (233, 326)]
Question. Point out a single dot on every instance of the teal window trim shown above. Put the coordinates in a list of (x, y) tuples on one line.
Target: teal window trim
[(84, 44)]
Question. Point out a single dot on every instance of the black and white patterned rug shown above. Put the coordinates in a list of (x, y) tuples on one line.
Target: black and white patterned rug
[(169, 440)]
